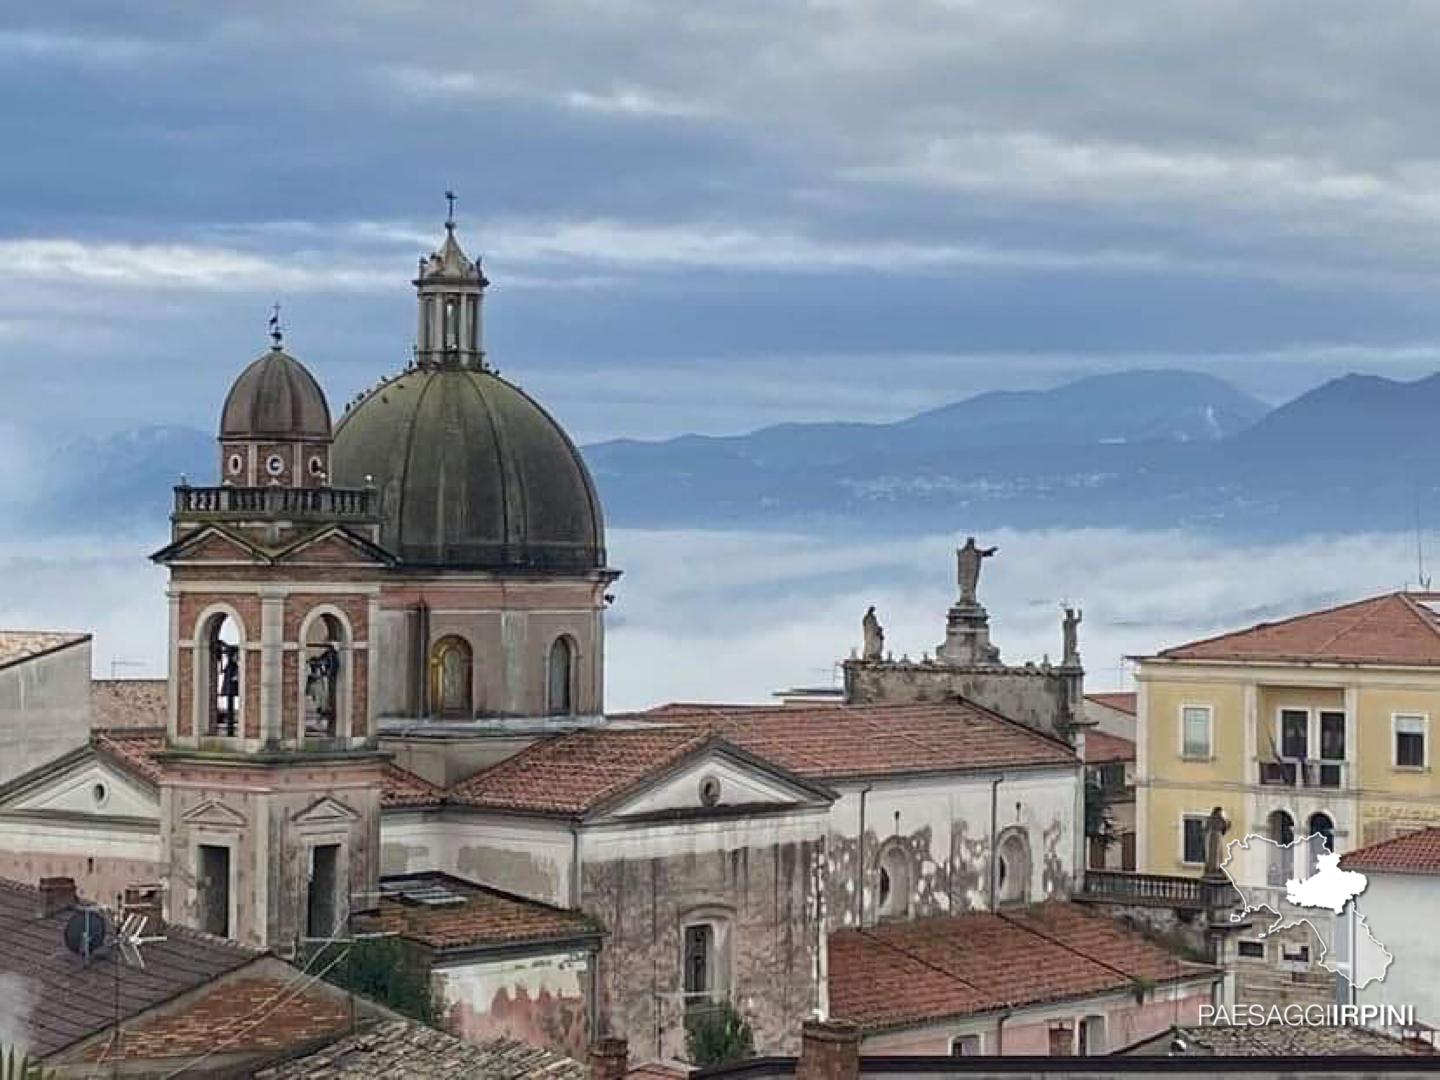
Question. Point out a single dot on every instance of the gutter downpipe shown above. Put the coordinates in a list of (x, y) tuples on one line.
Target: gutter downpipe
[(994, 855), (1000, 1032), (860, 862)]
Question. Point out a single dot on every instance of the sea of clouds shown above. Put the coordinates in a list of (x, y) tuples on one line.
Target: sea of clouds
[(735, 616)]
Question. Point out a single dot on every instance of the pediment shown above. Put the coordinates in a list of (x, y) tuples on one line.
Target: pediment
[(90, 786), (215, 813), (210, 544), (718, 780), (333, 546), (326, 811)]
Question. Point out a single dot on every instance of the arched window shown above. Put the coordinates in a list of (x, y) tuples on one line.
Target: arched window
[(450, 677), (324, 656), (893, 889), (1321, 831), (220, 695), (1280, 862), (559, 677), (1012, 867)]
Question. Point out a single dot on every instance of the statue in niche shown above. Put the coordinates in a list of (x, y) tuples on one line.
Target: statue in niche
[(874, 636), (227, 711), (1215, 829), (968, 560), (1073, 618)]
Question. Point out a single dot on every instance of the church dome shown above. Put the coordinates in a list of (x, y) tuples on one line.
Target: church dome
[(276, 398), (471, 473)]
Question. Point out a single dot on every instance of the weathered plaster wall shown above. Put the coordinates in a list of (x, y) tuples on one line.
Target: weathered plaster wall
[(754, 880), (529, 857), (540, 1000), (44, 709), (102, 857), (1045, 698), (944, 824)]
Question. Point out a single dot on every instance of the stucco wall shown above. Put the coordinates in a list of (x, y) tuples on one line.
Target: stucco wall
[(944, 825), (756, 880), (528, 857), (540, 1000), (44, 709)]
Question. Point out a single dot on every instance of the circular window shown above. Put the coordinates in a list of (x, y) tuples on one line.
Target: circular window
[(710, 791), (236, 464), (100, 794), (274, 464), (317, 466)]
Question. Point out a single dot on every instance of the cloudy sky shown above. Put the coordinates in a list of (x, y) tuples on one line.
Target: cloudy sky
[(712, 216)]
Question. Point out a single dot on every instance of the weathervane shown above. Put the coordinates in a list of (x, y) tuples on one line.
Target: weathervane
[(276, 334), (450, 217)]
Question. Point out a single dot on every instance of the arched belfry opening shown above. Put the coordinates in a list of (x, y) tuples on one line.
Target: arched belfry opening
[(560, 677), (221, 696)]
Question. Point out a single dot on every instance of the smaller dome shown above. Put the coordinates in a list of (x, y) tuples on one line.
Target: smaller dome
[(276, 398)]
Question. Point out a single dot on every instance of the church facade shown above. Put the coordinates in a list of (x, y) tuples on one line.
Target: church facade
[(386, 693)]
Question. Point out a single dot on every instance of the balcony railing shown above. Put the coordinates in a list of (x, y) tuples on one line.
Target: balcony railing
[(226, 501), (1295, 773), (1157, 890)]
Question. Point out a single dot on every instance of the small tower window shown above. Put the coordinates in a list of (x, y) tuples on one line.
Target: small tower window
[(236, 464), (324, 643), (274, 465), (452, 324), (560, 671)]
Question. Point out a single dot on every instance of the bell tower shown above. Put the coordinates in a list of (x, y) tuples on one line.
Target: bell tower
[(270, 779)]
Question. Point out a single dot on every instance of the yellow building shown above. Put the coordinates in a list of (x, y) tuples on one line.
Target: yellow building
[(1316, 727)]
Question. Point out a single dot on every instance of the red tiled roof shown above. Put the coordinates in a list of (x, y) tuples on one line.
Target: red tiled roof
[(223, 1020), (1119, 701), (128, 703), (1101, 746), (488, 917), (829, 742), (133, 748), (1395, 628), (403, 788), (1409, 853), (905, 973), (18, 645), (569, 774)]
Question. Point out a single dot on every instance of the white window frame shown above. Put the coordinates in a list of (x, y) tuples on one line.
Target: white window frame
[(1209, 711), (1395, 719), (1278, 728), (1185, 815), (978, 1036)]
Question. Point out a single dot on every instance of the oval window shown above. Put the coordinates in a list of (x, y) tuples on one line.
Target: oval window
[(274, 464), (236, 464), (317, 466), (710, 791)]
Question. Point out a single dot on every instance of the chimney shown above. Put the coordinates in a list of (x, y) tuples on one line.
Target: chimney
[(144, 900), (609, 1059), (56, 894), (829, 1050)]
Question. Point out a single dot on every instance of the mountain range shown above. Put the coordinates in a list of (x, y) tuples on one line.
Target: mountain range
[(1133, 449)]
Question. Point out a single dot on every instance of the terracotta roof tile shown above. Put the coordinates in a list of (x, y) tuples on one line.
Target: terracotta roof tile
[(1284, 1040), (222, 1018), (1394, 628), (828, 742), (405, 1050), (488, 916), (70, 1001), (133, 748), (1101, 746), (1120, 702), (904, 973), (1409, 853), (571, 773), (403, 788), (127, 703), (18, 645)]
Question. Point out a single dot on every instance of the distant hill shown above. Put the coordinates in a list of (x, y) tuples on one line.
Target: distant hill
[(1139, 449)]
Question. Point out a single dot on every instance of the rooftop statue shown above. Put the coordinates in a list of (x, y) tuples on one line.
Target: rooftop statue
[(874, 636), (968, 560)]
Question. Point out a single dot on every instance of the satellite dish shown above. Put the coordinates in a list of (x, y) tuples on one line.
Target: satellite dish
[(85, 933)]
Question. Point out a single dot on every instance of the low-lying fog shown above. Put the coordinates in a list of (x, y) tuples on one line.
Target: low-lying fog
[(734, 616)]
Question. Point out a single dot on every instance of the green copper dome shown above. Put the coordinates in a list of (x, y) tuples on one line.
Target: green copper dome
[(471, 473)]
